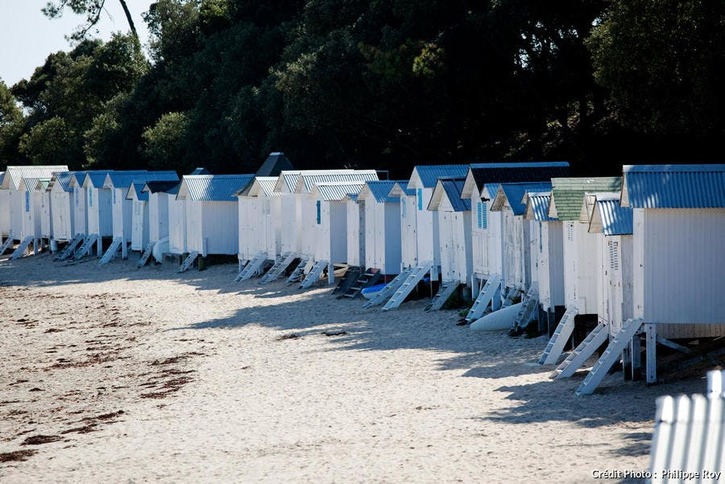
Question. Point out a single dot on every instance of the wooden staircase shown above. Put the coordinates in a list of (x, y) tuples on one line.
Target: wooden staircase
[(299, 271), (188, 262), (278, 268), (582, 352), (112, 251), (529, 307), (145, 256), (389, 289), (86, 247), (252, 267), (20, 249), (610, 356), (314, 275), (6, 245), (485, 297), (558, 340), (444, 293), (71, 247), (369, 278), (408, 285)]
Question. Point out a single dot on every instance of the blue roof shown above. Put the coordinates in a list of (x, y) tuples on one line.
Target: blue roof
[(381, 190), (540, 206), (215, 188), (615, 219), (451, 188), (429, 174), (123, 179), (97, 177), (514, 193), (63, 178), (674, 186), (137, 187)]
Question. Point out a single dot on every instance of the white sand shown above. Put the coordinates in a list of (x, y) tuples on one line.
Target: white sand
[(151, 376)]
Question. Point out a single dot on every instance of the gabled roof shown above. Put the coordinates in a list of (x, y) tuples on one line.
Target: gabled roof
[(307, 180), (336, 191), (136, 191), (287, 181), (200, 171), (400, 188), (274, 165), (537, 206), (567, 194), (95, 179), (212, 188), (609, 217), (31, 184), (163, 186), (262, 186), (479, 174), (514, 194), (674, 186), (124, 179), (381, 190), (64, 179), (426, 176), (450, 188), (14, 174)]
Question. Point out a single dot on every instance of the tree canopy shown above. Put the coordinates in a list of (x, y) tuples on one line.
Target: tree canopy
[(380, 84)]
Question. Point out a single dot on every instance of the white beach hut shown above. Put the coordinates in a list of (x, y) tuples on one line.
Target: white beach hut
[(32, 190), (212, 218), (159, 199), (355, 210), (481, 186), (15, 199), (62, 210), (139, 215), (118, 183), (408, 223), (382, 239), (46, 211), (549, 255), (259, 225)]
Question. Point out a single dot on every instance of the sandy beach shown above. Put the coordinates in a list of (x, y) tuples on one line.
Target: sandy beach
[(115, 374)]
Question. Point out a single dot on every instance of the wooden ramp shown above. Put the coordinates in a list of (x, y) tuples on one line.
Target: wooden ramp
[(389, 289), (278, 268), (369, 278), (529, 305), (610, 356), (6, 245), (408, 285), (20, 249), (485, 297), (69, 249), (444, 293), (145, 256), (558, 340), (252, 267), (581, 353), (112, 251), (314, 275), (188, 262), (299, 271), (86, 247)]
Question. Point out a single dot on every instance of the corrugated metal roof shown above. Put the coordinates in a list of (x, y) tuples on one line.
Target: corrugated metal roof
[(380, 190), (479, 174), (262, 186), (31, 184), (450, 188), (513, 194), (537, 206), (14, 174), (426, 176), (213, 188), (307, 180), (609, 217), (287, 181), (674, 186), (64, 179), (400, 188), (123, 179), (95, 179), (137, 189), (336, 191), (567, 194)]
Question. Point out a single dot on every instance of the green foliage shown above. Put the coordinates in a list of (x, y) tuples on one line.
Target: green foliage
[(163, 143)]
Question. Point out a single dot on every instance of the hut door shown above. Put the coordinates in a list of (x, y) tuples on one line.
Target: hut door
[(614, 296)]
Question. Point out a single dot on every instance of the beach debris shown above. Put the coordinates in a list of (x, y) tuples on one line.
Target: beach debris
[(17, 456), (287, 336), (334, 333), (41, 439)]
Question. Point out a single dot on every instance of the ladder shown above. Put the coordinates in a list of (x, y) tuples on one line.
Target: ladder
[(252, 267), (406, 287), (145, 256), (72, 245), (296, 275), (352, 274), (389, 289), (582, 352), (6, 245), (188, 261), (112, 251), (444, 292), (559, 338), (369, 278), (20, 250), (609, 357), (528, 308), (314, 274), (485, 297), (279, 267), (86, 247)]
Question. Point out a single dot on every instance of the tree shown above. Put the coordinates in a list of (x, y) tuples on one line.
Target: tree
[(163, 143), (92, 9), (11, 124)]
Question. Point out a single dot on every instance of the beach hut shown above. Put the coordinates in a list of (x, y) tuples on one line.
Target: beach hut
[(382, 240), (454, 235), (355, 210), (46, 211), (139, 215), (259, 225), (159, 197), (61, 202), (212, 219), (4, 211), (481, 186), (408, 223), (549, 256), (30, 227), (118, 184), (15, 199)]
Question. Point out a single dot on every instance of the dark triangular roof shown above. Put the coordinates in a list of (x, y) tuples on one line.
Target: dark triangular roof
[(274, 165)]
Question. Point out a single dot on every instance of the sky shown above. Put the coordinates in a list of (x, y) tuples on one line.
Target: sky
[(27, 36)]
